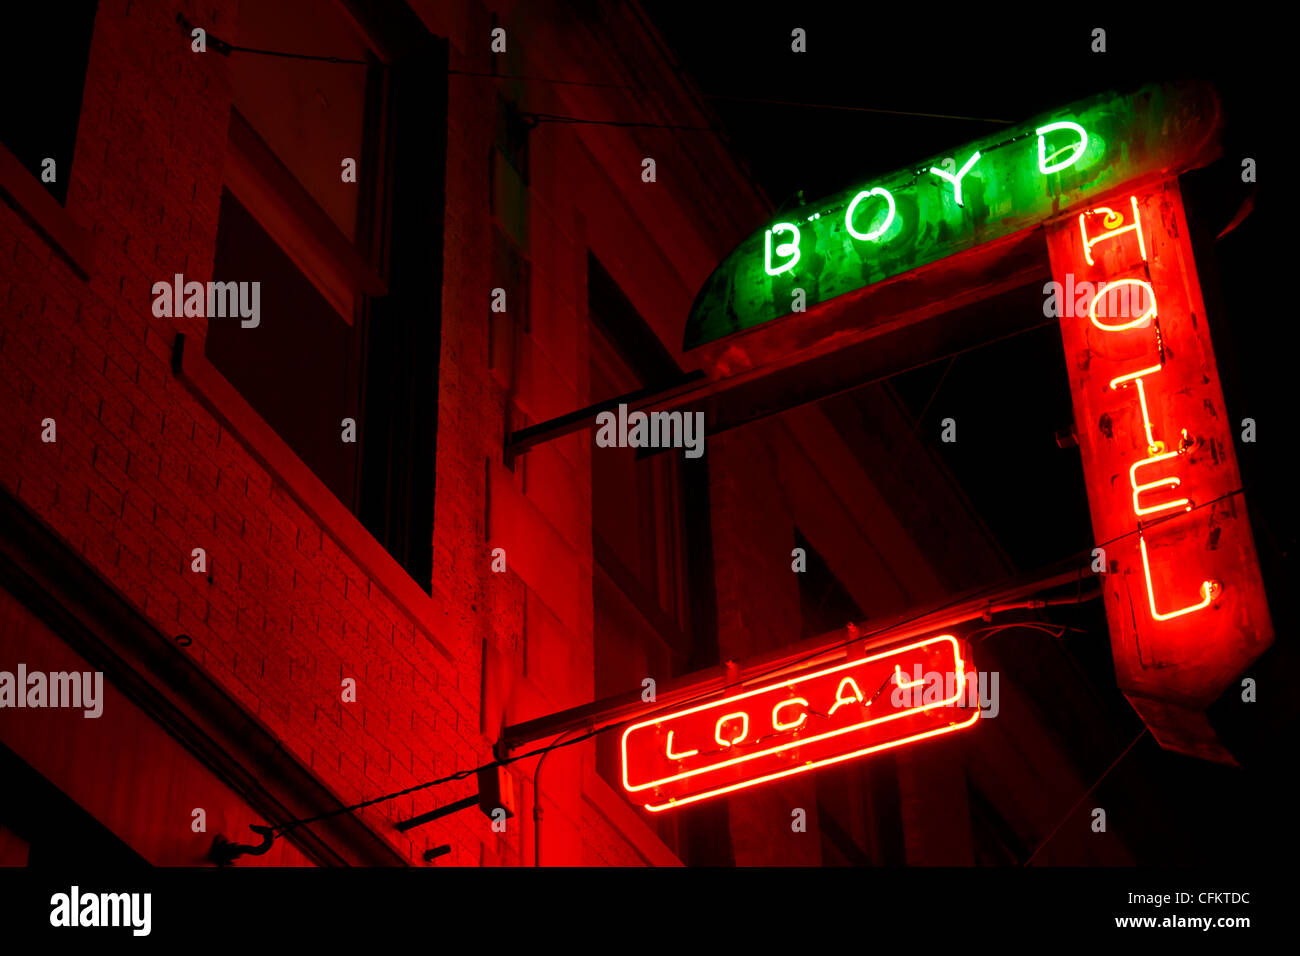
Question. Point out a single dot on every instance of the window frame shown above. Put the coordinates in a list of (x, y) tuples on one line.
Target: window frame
[(22, 190), (353, 277)]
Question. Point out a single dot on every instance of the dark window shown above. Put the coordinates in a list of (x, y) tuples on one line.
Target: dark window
[(858, 811), (297, 367), (824, 603), (41, 826), (45, 56), (350, 272), (512, 137), (637, 518), (996, 842), (651, 579), (509, 172), (637, 345), (308, 110), (975, 389)]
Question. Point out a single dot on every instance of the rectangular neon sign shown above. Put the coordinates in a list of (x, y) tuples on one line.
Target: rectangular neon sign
[(1184, 595), (1016, 179), (828, 715)]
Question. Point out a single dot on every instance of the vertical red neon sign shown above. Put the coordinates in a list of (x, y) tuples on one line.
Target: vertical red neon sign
[(1184, 597)]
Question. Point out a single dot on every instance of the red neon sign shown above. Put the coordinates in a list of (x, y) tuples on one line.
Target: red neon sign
[(827, 715), (1184, 596)]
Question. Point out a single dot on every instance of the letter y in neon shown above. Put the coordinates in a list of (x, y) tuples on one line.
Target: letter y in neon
[(956, 180)]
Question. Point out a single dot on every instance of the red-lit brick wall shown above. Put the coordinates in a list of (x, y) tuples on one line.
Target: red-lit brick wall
[(142, 473)]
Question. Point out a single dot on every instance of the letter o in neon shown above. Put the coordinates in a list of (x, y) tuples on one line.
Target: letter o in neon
[(777, 724), (744, 729), (875, 233), (1141, 320)]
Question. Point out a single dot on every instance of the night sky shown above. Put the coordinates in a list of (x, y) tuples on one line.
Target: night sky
[(972, 62), (957, 61)]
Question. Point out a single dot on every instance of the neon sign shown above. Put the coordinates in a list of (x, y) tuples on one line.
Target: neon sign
[(1184, 595), (812, 719), (1016, 179)]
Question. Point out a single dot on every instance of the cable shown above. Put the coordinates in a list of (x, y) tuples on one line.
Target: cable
[(289, 826), (1056, 630), (542, 79), (226, 49), (855, 109), (916, 426), (229, 48), (555, 118), (1115, 763), (725, 97), (783, 666), (537, 798), (1177, 514)]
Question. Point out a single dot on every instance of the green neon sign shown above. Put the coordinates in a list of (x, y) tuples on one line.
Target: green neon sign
[(1013, 180)]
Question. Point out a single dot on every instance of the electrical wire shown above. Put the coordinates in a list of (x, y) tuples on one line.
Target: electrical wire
[(1169, 517), (226, 48), (783, 666), (290, 56), (1069, 813), (916, 425), (1056, 630), (854, 109), (290, 825), (543, 79), (537, 798), (538, 118)]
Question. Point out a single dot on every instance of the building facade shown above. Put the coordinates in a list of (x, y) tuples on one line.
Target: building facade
[(280, 515)]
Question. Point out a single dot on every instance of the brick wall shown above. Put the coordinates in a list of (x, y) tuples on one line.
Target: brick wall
[(141, 473)]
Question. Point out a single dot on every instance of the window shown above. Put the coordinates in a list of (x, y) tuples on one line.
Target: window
[(824, 603), (652, 568), (41, 826), (1037, 399), (858, 811), (294, 367), (343, 361), (45, 57), (996, 842), (308, 111), (509, 172), (508, 195), (637, 520)]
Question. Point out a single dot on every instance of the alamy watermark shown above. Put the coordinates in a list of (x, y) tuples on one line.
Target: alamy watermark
[(63, 689), (75, 908), (212, 300), (1113, 305), (926, 688), (651, 430)]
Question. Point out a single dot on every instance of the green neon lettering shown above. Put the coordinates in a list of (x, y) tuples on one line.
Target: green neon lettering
[(874, 234), (956, 180), (1020, 184), (1049, 164), (784, 249)]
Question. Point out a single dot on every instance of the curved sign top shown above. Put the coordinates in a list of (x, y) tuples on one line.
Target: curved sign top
[(1013, 180)]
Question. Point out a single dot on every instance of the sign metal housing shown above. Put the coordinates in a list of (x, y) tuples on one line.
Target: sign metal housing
[(823, 716)]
